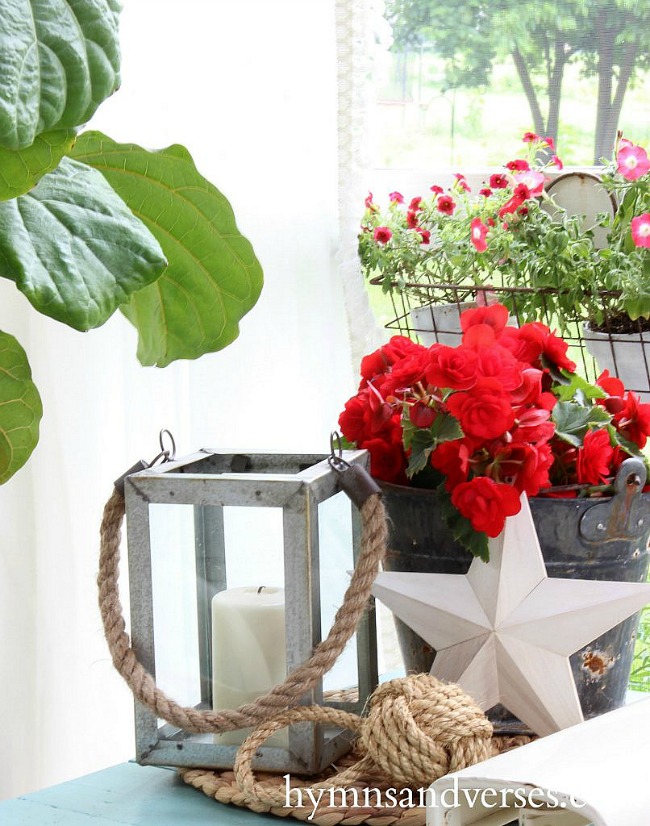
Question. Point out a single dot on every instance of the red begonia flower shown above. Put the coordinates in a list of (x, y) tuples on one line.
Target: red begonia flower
[(451, 367), (494, 315), (486, 503), (592, 466), (485, 412), (452, 460)]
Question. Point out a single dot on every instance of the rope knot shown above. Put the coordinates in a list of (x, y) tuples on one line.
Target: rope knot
[(419, 729)]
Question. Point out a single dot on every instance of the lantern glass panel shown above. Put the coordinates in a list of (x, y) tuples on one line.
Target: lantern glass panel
[(336, 563), (254, 538), (174, 586)]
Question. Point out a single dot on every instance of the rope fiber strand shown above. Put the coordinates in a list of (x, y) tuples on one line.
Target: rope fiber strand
[(285, 695)]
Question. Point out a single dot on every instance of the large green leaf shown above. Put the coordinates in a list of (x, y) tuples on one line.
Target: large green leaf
[(572, 420), (213, 277), (20, 408), (74, 248), (21, 169), (60, 59)]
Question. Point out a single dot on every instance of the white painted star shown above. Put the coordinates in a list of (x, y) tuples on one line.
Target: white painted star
[(504, 631)]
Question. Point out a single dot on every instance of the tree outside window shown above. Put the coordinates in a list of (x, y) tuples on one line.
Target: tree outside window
[(476, 73)]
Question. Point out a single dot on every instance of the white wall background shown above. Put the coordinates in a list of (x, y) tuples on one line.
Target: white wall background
[(249, 86)]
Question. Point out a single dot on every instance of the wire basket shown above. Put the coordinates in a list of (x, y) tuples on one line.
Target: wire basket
[(429, 313)]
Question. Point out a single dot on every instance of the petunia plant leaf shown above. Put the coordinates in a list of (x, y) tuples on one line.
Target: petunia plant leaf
[(213, 277), (20, 408), (21, 169), (74, 248), (60, 59)]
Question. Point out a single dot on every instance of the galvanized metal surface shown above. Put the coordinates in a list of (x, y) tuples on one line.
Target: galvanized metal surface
[(210, 481)]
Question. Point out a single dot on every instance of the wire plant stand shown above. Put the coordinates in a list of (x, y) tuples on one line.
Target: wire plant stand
[(429, 313)]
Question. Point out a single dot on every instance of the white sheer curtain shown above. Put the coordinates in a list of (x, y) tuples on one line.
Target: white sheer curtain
[(250, 87)]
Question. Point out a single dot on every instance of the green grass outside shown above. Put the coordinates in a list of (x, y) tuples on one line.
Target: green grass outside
[(413, 128)]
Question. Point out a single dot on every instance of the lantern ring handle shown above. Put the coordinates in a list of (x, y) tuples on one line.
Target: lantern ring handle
[(166, 454), (335, 459)]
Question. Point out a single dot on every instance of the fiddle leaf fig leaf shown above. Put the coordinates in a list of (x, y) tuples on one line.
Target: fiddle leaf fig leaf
[(213, 277), (21, 169), (60, 59), (74, 248), (20, 408)]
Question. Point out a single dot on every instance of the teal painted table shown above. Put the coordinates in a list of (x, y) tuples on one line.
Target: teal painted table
[(129, 795)]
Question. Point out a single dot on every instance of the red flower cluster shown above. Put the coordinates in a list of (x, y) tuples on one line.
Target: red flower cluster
[(486, 416)]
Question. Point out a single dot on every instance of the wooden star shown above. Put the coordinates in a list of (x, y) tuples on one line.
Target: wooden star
[(504, 631)]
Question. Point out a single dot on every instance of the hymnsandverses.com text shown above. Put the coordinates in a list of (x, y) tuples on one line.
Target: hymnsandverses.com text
[(453, 797)]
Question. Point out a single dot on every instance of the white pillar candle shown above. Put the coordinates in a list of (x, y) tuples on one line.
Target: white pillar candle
[(248, 651)]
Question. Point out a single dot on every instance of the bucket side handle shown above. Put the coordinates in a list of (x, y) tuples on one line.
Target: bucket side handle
[(625, 516)]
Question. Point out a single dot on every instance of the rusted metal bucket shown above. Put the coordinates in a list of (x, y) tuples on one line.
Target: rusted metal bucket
[(601, 539)]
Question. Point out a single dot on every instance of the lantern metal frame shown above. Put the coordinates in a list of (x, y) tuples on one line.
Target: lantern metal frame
[(211, 480)]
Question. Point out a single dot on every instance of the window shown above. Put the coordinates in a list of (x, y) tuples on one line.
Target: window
[(457, 84)]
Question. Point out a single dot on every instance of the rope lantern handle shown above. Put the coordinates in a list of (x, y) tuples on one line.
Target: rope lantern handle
[(366, 495)]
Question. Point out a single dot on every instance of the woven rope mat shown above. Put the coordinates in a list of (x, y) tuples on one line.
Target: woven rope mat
[(222, 786)]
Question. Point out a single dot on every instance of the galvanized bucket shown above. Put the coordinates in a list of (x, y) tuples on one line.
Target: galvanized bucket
[(599, 538)]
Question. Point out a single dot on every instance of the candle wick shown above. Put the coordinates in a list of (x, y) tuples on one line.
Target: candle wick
[(261, 588)]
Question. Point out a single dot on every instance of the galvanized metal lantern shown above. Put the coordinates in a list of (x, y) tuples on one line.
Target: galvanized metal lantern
[(180, 532)]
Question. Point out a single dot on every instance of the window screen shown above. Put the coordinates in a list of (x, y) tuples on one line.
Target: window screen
[(457, 84)]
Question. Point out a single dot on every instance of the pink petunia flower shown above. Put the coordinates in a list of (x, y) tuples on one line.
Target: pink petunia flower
[(415, 203), (533, 180), (479, 234), (437, 190), (530, 137), (383, 235), (518, 165), (461, 183), (555, 161), (396, 198), (633, 162), (446, 204), (499, 181), (426, 235), (640, 227), (411, 219)]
